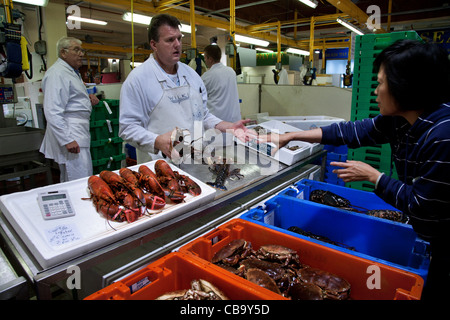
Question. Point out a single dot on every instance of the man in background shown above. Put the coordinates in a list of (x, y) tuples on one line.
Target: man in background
[(221, 86)]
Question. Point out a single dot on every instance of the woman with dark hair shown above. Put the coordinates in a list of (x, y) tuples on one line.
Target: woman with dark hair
[(414, 100)]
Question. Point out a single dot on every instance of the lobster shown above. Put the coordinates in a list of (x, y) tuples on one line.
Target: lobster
[(106, 202), (149, 182), (222, 172), (121, 188), (153, 202), (187, 184), (174, 183)]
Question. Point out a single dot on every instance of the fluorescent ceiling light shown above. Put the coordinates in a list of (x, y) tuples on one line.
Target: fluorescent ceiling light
[(142, 19), (298, 51), (42, 3), (349, 26), (137, 18), (311, 3), (257, 42), (93, 21), (264, 50), (186, 28)]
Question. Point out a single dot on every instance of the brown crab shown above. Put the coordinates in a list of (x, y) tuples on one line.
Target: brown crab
[(333, 287), (233, 252), (262, 279), (278, 253), (282, 275)]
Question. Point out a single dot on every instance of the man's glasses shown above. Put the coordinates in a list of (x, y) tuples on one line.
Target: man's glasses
[(77, 50)]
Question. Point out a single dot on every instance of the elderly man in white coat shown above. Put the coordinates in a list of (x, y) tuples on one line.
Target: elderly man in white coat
[(162, 94), (67, 109)]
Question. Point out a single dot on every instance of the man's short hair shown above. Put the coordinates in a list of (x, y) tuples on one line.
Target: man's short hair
[(158, 21), (213, 51), (65, 43)]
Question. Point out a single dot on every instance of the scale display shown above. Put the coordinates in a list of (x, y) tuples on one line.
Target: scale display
[(55, 204)]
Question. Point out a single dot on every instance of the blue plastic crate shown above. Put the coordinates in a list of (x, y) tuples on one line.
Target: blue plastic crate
[(359, 199), (394, 244)]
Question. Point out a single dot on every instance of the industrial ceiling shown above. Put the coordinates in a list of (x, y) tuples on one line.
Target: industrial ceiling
[(257, 19)]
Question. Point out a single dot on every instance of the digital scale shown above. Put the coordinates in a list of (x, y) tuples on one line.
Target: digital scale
[(55, 204)]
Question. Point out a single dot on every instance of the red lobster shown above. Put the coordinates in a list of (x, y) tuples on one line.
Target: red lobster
[(149, 182), (106, 203), (123, 190), (153, 202), (175, 182)]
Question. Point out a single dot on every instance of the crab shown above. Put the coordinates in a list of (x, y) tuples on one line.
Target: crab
[(283, 275), (262, 279), (278, 253), (333, 287), (233, 252)]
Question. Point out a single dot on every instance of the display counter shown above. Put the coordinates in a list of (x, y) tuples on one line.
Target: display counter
[(113, 260)]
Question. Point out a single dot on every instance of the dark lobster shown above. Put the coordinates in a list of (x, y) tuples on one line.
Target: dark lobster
[(152, 202), (222, 172), (106, 203)]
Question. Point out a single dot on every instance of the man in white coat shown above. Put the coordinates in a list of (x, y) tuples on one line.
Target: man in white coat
[(162, 94), (67, 109), (221, 86)]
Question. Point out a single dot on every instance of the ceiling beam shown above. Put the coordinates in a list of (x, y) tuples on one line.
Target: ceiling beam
[(348, 7), (102, 47)]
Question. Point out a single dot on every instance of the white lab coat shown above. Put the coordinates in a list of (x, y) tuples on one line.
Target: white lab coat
[(223, 97), (142, 91), (67, 109), (283, 77)]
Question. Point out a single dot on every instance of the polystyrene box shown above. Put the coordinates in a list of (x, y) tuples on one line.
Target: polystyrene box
[(293, 152), (304, 122), (394, 244), (395, 283)]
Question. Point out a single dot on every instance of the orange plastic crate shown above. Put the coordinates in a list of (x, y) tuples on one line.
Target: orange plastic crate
[(395, 284), (175, 271)]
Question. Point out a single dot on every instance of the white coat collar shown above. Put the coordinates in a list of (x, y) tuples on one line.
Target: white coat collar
[(161, 75), (67, 66)]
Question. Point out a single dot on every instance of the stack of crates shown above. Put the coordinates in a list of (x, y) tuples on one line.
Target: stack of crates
[(106, 145), (334, 154), (367, 48)]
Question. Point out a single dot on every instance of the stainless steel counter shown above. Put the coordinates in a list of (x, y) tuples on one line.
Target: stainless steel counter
[(105, 265)]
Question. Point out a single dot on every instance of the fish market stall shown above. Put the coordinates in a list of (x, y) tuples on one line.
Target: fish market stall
[(107, 250)]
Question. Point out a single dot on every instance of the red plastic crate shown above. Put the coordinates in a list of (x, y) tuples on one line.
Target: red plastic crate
[(175, 271), (396, 284)]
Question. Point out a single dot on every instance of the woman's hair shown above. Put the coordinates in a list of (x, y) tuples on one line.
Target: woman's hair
[(213, 51), (65, 43), (158, 21), (418, 74)]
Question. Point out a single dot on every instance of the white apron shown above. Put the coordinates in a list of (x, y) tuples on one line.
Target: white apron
[(180, 107), (77, 165)]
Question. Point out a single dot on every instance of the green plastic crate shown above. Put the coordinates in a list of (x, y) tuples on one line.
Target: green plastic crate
[(105, 148), (363, 114), (382, 40), (110, 163), (104, 129), (365, 105), (104, 111)]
